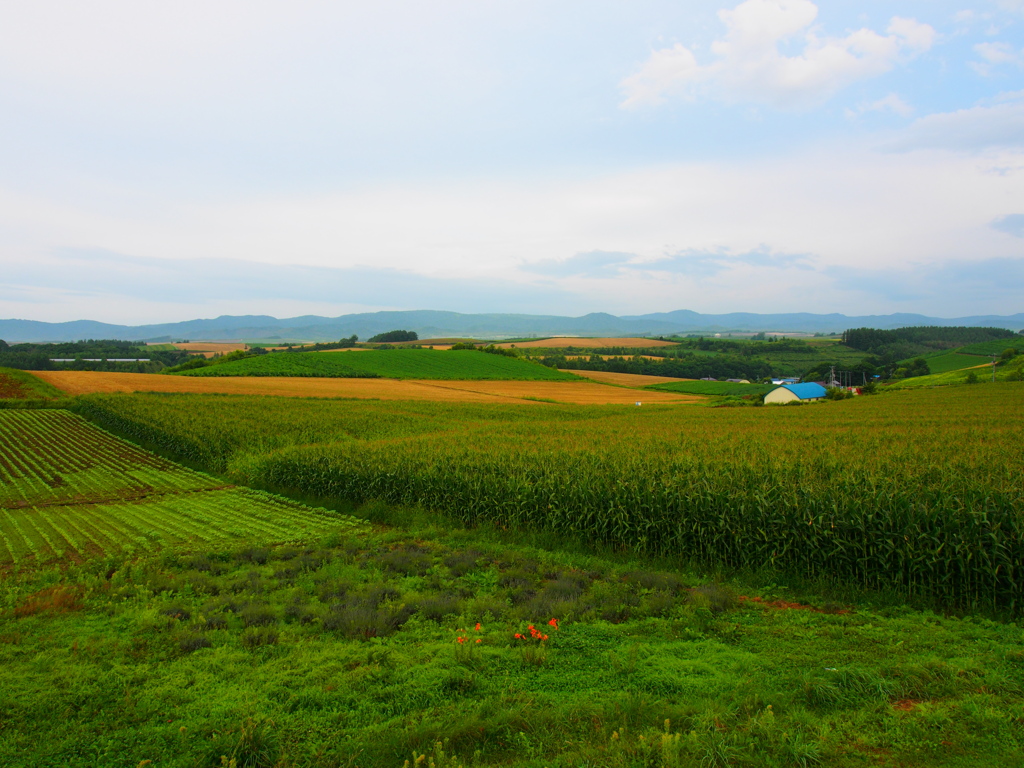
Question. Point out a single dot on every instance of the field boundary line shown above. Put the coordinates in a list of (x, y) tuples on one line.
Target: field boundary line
[(85, 501), (497, 395)]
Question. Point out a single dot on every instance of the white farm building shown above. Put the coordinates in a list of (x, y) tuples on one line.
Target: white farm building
[(789, 393)]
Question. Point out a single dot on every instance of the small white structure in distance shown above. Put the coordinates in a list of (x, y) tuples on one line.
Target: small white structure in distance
[(789, 393)]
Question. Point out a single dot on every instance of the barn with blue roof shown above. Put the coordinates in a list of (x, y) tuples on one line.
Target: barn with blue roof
[(790, 393)]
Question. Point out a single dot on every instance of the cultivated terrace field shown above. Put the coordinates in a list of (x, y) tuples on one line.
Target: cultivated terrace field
[(501, 584), (395, 364), (69, 490)]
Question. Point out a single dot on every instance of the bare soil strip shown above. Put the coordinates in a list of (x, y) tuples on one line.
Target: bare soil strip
[(561, 342), (583, 392), (123, 496), (10, 388), (626, 379)]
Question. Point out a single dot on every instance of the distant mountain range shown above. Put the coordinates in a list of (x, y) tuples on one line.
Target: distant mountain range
[(434, 324)]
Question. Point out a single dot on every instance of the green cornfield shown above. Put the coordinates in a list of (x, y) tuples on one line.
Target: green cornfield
[(915, 491)]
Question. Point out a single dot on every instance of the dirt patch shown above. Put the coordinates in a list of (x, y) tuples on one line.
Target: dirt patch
[(785, 606), (905, 705), (11, 389), (561, 342), (625, 379), (581, 392), (58, 599)]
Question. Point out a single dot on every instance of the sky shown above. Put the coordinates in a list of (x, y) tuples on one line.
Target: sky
[(169, 161)]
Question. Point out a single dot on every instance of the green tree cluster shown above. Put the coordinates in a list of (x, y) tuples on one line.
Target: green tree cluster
[(391, 336)]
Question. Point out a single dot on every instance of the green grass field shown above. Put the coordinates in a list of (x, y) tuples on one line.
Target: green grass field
[(69, 490), (954, 361), (723, 388), (1008, 372), (395, 364), (996, 347), (372, 649)]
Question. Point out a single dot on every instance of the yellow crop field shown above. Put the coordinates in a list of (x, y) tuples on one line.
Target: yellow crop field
[(583, 392)]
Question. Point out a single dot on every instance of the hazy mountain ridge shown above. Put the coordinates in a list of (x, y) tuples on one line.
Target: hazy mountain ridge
[(433, 324)]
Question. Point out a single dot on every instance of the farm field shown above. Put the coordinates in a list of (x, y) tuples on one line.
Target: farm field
[(211, 348), (69, 490), (953, 361), (395, 364), (571, 390), (994, 347), (563, 342), (607, 357), (1013, 371), (732, 488), (625, 379)]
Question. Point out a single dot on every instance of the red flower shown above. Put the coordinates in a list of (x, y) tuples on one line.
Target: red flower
[(554, 623), (478, 640), (460, 640), (478, 626)]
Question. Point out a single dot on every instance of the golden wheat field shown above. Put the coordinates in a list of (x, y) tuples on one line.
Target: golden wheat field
[(583, 392)]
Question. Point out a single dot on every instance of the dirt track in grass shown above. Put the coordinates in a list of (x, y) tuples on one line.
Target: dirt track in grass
[(582, 392)]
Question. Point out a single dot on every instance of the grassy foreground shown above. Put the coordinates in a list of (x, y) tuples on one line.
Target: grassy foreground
[(362, 649), (392, 364)]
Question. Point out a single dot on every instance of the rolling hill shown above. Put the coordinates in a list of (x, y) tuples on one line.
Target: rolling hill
[(392, 364)]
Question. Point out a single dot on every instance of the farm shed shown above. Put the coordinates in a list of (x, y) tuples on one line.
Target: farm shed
[(789, 393)]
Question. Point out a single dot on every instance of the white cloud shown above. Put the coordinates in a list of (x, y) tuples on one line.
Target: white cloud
[(995, 54), (891, 103), (749, 65), (1000, 124), (707, 236)]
